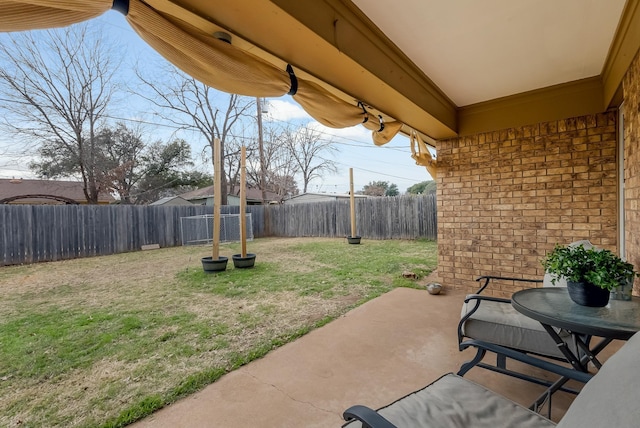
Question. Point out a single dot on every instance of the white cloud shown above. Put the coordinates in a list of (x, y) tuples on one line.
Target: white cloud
[(357, 133), (280, 110), (287, 111), (15, 170)]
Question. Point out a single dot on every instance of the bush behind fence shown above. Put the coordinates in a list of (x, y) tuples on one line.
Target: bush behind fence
[(36, 233)]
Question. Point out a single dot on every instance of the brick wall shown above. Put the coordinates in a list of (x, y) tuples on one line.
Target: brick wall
[(505, 198), (631, 111)]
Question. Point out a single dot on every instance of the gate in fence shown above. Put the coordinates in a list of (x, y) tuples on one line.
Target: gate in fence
[(198, 230)]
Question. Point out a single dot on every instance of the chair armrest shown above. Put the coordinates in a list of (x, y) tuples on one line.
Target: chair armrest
[(488, 278), (478, 299), (369, 417)]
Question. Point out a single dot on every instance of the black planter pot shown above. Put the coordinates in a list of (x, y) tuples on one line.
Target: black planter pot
[(353, 239), (210, 266), (588, 294), (240, 262)]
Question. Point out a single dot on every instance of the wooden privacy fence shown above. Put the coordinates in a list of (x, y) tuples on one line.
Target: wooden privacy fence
[(36, 233), (402, 217)]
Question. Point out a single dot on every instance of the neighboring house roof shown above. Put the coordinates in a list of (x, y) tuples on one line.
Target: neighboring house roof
[(171, 200), (320, 197), (202, 193), (253, 194), (63, 190), (256, 195)]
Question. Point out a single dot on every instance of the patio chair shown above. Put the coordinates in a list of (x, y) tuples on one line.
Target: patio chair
[(486, 321), (608, 399)]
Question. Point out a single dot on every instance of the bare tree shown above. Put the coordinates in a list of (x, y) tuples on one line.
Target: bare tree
[(279, 164), (192, 105), (282, 185), (231, 163), (281, 167), (308, 149), (56, 87)]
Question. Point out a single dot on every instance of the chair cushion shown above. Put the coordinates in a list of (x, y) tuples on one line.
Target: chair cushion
[(454, 402), (500, 323), (610, 399)]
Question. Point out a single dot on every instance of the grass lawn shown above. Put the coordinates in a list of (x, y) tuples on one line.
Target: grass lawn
[(102, 342)]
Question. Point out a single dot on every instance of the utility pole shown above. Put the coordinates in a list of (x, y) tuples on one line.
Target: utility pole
[(263, 173)]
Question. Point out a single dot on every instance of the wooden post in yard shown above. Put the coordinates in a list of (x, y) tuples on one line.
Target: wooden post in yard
[(217, 198), (352, 198), (243, 200)]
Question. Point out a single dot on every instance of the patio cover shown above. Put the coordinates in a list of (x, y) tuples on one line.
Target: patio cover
[(215, 62)]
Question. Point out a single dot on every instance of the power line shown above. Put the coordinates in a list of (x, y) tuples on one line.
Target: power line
[(242, 137), (341, 137), (359, 144), (368, 170)]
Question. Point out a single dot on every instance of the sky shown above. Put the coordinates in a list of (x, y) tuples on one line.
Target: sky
[(355, 149)]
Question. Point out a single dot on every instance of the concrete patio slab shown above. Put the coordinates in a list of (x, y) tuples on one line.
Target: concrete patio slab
[(378, 352)]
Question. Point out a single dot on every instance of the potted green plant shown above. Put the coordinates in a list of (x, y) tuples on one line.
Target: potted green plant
[(591, 273)]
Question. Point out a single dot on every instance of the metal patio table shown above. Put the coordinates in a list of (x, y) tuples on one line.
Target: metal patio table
[(554, 309)]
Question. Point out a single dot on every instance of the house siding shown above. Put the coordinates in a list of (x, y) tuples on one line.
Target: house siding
[(505, 198), (631, 112)]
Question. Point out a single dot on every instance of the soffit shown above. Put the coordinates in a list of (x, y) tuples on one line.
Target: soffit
[(477, 51)]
